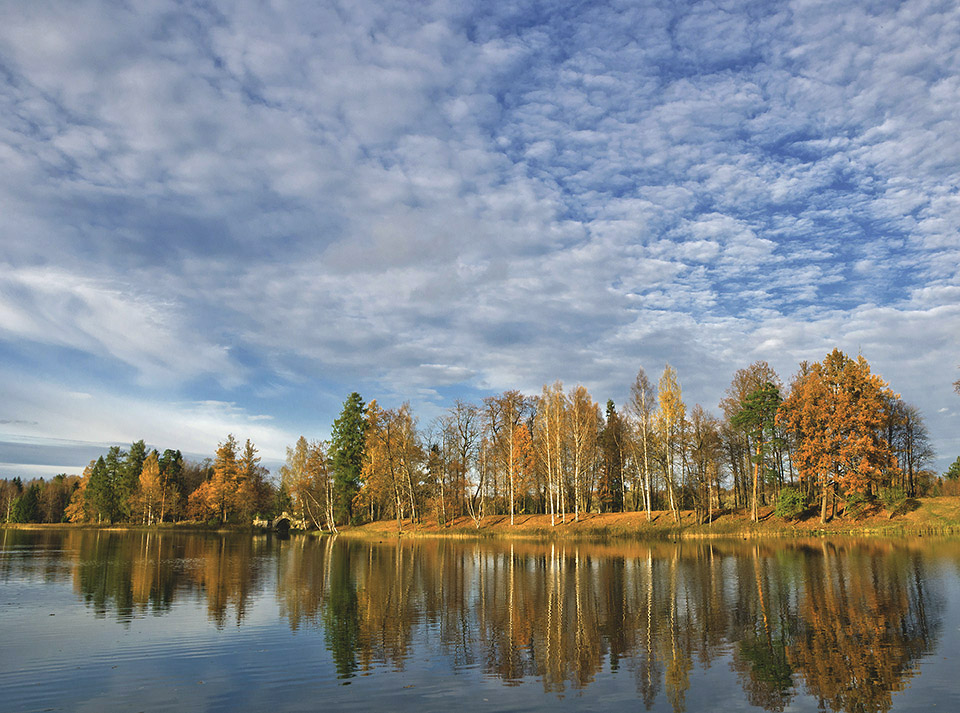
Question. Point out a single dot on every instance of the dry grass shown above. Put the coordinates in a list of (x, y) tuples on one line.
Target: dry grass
[(928, 515), (935, 515)]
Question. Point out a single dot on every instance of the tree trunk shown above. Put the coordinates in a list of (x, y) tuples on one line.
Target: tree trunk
[(823, 503)]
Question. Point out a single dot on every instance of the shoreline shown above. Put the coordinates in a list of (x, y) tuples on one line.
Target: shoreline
[(925, 516), (929, 516)]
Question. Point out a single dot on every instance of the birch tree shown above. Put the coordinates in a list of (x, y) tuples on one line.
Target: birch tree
[(671, 418), (583, 425), (505, 414), (641, 406), (549, 434)]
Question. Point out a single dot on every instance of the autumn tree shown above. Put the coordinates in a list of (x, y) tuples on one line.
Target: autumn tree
[(477, 501), (79, 508), (294, 474), (393, 455), (226, 474), (671, 419), (216, 497), (55, 496), (411, 457), (837, 410), (525, 465), (641, 407), (438, 477), (583, 427), (306, 478), (504, 416), (549, 441), (254, 494), (151, 489)]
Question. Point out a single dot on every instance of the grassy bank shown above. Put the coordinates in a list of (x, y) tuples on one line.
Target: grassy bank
[(925, 516), (940, 515)]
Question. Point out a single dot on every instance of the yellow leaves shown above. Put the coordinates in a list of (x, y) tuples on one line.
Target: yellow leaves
[(150, 476), (76, 511), (672, 408), (392, 453), (151, 488)]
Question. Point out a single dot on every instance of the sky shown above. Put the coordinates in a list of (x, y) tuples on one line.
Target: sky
[(224, 217)]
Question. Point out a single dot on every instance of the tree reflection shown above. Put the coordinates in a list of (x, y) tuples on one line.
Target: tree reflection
[(131, 574), (862, 625), (845, 622), (341, 618)]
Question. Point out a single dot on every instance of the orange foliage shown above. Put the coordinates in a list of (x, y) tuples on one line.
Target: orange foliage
[(837, 410)]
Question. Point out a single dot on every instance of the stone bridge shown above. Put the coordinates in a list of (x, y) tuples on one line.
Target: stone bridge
[(283, 522)]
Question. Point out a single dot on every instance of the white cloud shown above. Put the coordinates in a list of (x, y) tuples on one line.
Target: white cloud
[(53, 306), (416, 197), (193, 427)]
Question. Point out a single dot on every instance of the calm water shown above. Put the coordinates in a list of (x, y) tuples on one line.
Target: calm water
[(106, 621)]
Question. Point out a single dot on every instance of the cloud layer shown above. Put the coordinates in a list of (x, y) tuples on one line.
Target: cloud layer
[(272, 206)]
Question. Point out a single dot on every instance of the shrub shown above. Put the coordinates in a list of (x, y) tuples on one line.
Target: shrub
[(893, 499), (856, 503), (790, 504)]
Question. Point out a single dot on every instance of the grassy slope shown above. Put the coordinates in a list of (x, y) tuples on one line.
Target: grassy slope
[(927, 515), (939, 515)]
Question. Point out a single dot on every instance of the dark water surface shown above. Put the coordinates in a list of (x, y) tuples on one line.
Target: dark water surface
[(137, 621)]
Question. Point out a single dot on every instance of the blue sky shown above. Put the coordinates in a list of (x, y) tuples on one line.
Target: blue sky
[(224, 217)]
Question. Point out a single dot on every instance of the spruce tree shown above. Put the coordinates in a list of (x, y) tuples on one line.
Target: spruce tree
[(26, 508), (101, 493), (347, 444), (611, 453)]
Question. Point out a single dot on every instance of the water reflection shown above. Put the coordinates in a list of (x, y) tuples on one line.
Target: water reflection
[(845, 622)]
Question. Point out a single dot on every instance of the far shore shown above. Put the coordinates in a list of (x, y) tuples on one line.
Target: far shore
[(935, 515)]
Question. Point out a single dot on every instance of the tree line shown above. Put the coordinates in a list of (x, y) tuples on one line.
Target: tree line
[(148, 487), (835, 434)]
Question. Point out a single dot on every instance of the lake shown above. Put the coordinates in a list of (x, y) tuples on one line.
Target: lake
[(154, 621)]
